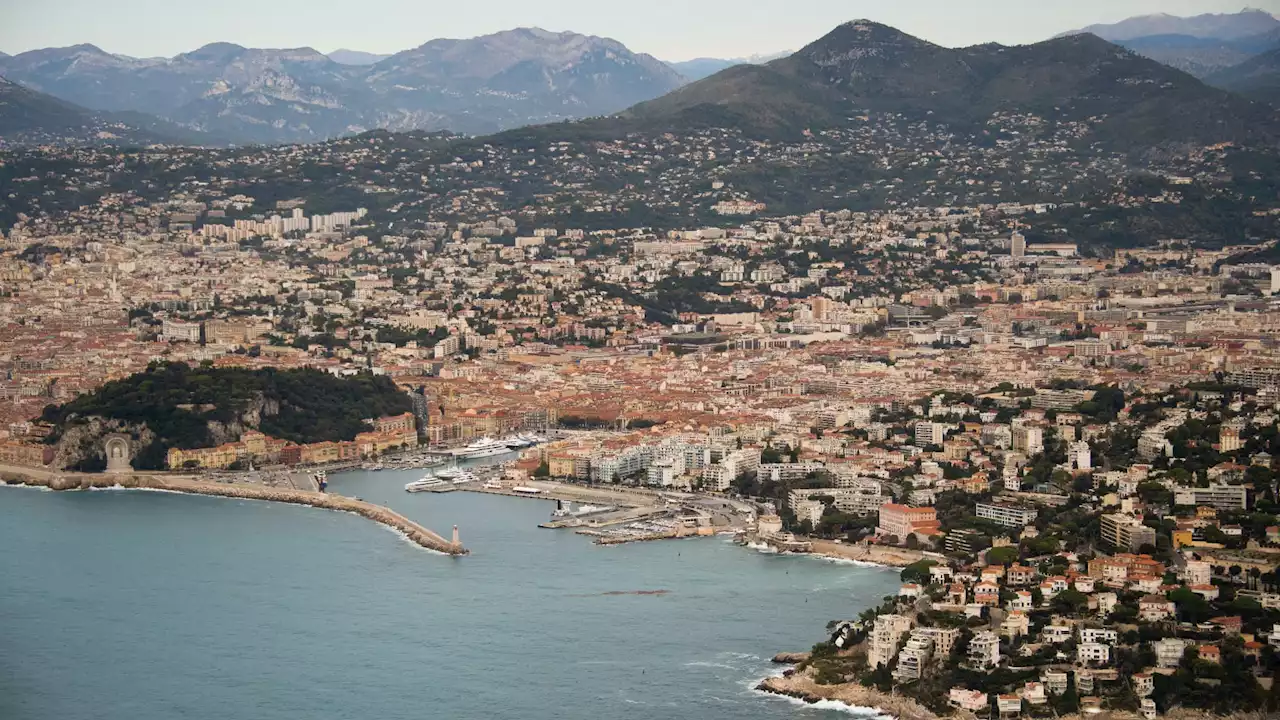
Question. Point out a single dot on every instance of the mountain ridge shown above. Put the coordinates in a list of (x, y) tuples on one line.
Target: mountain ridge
[(267, 95), (1221, 26)]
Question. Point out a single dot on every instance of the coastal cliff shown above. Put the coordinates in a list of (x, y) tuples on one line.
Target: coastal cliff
[(377, 513)]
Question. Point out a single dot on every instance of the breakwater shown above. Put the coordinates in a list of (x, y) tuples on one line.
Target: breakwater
[(186, 484)]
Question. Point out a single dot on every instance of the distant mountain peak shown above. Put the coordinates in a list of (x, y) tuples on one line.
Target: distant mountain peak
[(1222, 26), (518, 77)]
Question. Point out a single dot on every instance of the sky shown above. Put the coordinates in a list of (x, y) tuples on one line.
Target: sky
[(668, 29)]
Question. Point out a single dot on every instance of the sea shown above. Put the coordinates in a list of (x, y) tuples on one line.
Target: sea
[(136, 605)]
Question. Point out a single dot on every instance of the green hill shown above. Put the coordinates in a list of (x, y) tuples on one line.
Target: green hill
[(173, 405), (863, 67), (1257, 78), (30, 117)]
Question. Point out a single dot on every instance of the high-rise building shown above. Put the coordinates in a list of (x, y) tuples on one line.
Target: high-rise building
[(1125, 532), (1081, 455), (1018, 245)]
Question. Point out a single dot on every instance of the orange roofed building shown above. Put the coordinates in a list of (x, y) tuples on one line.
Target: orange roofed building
[(902, 521)]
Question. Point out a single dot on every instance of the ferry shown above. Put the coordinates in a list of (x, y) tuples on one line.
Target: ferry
[(426, 483)]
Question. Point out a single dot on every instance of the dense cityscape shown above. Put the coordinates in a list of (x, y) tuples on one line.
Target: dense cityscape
[(1035, 372)]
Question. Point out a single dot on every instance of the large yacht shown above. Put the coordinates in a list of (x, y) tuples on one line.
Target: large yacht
[(483, 448), (425, 484)]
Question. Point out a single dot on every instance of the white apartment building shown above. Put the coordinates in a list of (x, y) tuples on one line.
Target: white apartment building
[(1098, 636), (984, 650), (721, 475), (667, 471), (1028, 439), (884, 639), (930, 433), (1081, 455), (786, 472), (1169, 651), (913, 658), (177, 330), (1222, 497), (1005, 514), (1093, 653)]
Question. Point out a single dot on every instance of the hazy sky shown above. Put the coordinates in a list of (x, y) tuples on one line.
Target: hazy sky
[(668, 29)]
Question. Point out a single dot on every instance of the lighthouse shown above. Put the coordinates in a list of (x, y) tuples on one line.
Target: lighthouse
[(456, 543)]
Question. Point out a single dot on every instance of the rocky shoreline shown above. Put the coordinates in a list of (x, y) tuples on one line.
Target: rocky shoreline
[(414, 532), (801, 686)]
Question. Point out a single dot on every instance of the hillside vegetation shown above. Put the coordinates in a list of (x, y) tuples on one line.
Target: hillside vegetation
[(174, 405)]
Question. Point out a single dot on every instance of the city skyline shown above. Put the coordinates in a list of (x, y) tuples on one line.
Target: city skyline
[(717, 28)]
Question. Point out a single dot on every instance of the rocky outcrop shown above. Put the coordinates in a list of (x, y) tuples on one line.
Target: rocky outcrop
[(791, 658), (81, 445), (140, 481), (802, 687)]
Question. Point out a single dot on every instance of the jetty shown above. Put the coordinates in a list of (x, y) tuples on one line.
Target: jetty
[(416, 533)]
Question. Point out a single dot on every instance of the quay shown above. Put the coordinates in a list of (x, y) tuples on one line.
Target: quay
[(416, 533)]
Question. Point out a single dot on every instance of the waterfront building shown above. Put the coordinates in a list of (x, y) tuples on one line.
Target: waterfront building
[(902, 521)]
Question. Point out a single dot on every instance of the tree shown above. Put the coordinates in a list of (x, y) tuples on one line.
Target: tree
[(917, 572), (1070, 602), (1002, 555)]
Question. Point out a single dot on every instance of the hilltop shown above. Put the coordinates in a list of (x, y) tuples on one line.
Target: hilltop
[(864, 67), (173, 405)]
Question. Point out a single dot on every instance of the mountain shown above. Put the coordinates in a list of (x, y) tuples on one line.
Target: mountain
[(1232, 26), (863, 67), (356, 57), (1201, 57), (699, 68), (1257, 78), (479, 85), (29, 117)]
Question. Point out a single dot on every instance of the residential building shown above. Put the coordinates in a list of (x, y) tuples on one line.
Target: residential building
[(1125, 532), (984, 650), (1222, 497), (901, 521), (1006, 514)]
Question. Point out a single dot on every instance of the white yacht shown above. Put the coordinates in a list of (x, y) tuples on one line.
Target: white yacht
[(426, 483), (465, 478), (451, 473), (483, 448)]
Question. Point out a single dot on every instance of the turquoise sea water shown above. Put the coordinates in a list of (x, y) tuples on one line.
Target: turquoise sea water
[(124, 605)]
